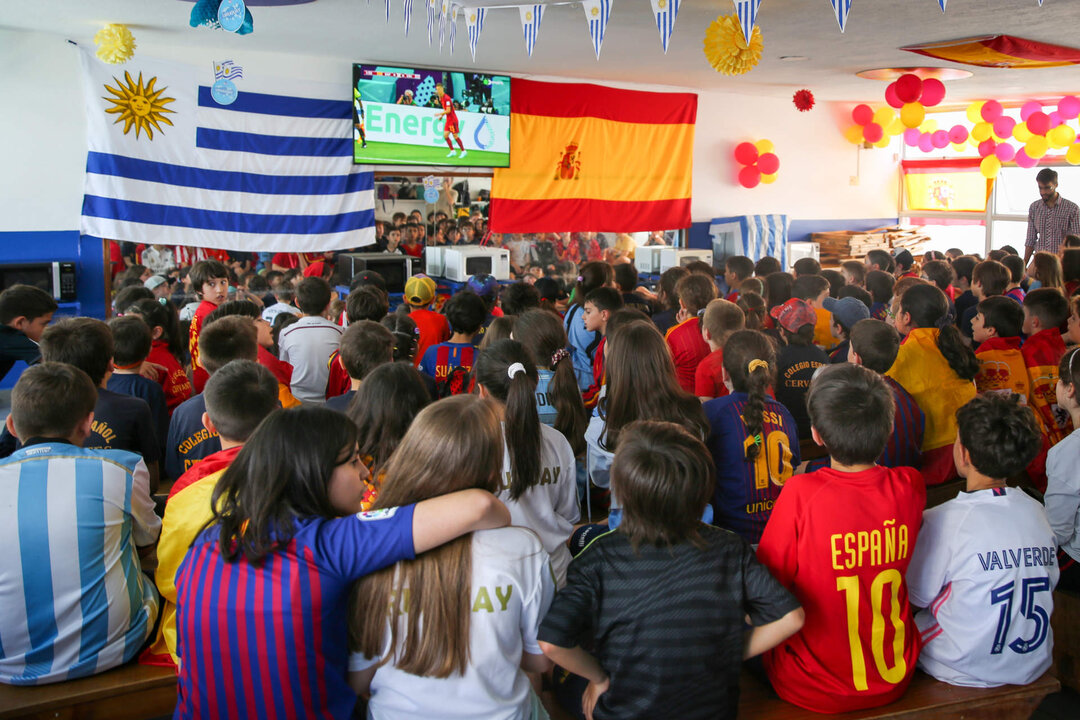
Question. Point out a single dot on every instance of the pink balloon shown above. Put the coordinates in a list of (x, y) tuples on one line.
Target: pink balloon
[(939, 139), (862, 114), (1003, 126), (926, 144), (768, 163), (958, 134), (933, 92), (909, 87), (749, 177), (991, 110), (746, 153), (1038, 123), (1056, 119), (1028, 108), (1068, 106), (872, 132), (911, 137), (891, 98), (1024, 160), (1005, 152), (986, 147)]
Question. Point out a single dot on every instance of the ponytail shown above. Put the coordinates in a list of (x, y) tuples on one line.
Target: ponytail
[(959, 356), (570, 415), (505, 370), (749, 359), (928, 308)]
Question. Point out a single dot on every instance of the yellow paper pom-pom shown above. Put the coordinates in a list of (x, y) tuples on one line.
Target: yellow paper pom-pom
[(726, 48), (115, 44)]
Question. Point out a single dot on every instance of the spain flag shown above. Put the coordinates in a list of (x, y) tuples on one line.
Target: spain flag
[(591, 158), (1000, 51)]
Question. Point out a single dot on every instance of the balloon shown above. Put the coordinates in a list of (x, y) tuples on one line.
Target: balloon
[(854, 134), (929, 125), (768, 163), (883, 116), (862, 114), (764, 146), (939, 139), (990, 167), (933, 92), (1073, 155), (1037, 146), (1021, 132), (746, 153), (981, 131), (1068, 106), (908, 88), (890, 96), (749, 177), (926, 143), (1055, 119), (911, 137), (912, 114), (1038, 123), (1003, 127), (768, 179), (991, 110), (873, 132), (1023, 160), (883, 142), (896, 127), (1028, 109), (1005, 152), (958, 134), (986, 148), (1062, 136), (959, 147), (974, 112)]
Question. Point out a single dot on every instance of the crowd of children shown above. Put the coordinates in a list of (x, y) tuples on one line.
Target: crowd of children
[(301, 502)]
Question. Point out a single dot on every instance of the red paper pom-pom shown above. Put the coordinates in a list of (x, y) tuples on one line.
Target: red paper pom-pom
[(803, 99)]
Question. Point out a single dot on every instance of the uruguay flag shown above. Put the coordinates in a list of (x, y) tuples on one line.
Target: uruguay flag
[(597, 14), (166, 163)]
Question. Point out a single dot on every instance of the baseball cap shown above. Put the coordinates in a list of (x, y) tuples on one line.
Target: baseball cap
[(483, 285), (550, 289), (793, 314), (154, 281), (419, 290), (846, 311)]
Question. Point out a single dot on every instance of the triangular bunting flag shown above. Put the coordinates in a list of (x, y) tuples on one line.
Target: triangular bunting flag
[(597, 13), (407, 8), (387, 4), (530, 24), (474, 23), (444, 7), (453, 27), (430, 20), (665, 12), (943, 3), (841, 8), (747, 12)]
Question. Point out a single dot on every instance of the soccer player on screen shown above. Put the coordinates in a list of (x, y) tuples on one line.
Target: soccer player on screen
[(450, 127), (358, 134)]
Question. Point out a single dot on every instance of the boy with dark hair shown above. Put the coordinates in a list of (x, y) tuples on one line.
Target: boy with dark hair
[(979, 600), (1045, 310), (238, 397), (465, 312), (684, 340), (364, 346), (854, 272), (1016, 274), (131, 346), (996, 332), (963, 267), (806, 266), (308, 343), (844, 312), (664, 659), (284, 294), (25, 311), (880, 260), (767, 266), (849, 566), (814, 289), (433, 327), (667, 298), (859, 293), (189, 441), (880, 285), (941, 274), (210, 282), (626, 278), (366, 303), (988, 279), (736, 269), (905, 264), (599, 306), (264, 336), (518, 298), (75, 600), (720, 319)]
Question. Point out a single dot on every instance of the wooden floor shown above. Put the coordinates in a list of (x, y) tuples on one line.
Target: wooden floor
[(132, 692)]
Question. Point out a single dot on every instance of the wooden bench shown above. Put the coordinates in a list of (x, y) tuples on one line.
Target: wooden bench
[(925, 699), (1066, 624), (131, 692)]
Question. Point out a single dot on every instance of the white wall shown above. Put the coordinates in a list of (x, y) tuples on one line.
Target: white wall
[(43, 147)]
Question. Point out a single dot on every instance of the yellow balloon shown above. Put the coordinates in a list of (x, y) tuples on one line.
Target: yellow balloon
[(764, 146), (896, 127), (768, 179), (1061, 136), (854, 134), (912, 114), (1021, 132), (990, 167), (929, 125), (884, 115), (959, 148), (974, 112), (883, 142), (981, 132), (1073, 155), (1037, 146)]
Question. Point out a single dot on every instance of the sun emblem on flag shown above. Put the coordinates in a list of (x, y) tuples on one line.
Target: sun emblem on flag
[(662, 4), (138, 105), (472, 18), (528, 17), (595, 11)]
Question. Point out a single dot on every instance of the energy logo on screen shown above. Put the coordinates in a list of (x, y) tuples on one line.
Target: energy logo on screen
[(484, 135)]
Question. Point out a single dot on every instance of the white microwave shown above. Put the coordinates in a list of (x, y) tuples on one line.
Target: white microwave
[(461, 263), (434, 260), (678, 257), (647, 259)]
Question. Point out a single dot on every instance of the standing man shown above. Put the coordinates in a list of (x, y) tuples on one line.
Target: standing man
[(1050, 218), (358, 133), (450, 127)]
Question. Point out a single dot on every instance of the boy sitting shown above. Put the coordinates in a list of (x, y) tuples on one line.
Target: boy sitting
[(854, 273), (984, 565), (1045, 310), (365, 303), (365, 345), (210, 281), (308, 343), (74, 599), (1015, 263), (466, 313), (25, 311), (434, 328), (996, 332), (988, 279), (284, 294), (736, 269), (597, 309), (880, 285), (652, 656), (687, 347), (813, 289), (963, 267), (847, 568), (797, 359), (131, 346), (845, 312), (720, 320)]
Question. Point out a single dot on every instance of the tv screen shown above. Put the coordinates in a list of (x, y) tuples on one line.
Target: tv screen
[(406, 116), (394, 271)]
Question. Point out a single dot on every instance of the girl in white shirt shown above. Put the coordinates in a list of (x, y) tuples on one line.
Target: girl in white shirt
[(1062, 496)]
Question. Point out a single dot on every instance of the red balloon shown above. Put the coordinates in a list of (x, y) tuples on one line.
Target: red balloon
[(749, 177), (958, 134), (872, 132), (1024, 160), (891, 98), (991, 110), (1005, 152), (939, 139), (933, 92), (987, 147), (1038, 123), (862, 114), (909, 88), (768, 163), (746, 153)]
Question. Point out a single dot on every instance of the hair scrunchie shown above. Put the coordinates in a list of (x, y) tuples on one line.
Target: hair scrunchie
[(514, 369), (559, 355), (757, 363)]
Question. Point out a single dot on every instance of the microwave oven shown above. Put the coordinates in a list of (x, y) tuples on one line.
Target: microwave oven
[(461, 263), (676, 257), (647, 259), (55, 278)]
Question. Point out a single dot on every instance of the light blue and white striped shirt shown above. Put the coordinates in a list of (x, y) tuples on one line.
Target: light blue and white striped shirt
[(73, 600)]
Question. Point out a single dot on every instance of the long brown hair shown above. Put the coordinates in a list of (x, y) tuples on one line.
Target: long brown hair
[(452, 445), (1047, 270), (642, 384)]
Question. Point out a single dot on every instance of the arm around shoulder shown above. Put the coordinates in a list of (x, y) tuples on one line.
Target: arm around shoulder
[(767, 636), (442, 519)]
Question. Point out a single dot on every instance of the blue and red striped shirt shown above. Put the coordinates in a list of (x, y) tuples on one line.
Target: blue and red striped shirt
[(905, 443), (440, 359)]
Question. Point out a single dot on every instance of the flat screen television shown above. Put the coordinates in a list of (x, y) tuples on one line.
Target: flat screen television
[(394, 268), (400, 115)]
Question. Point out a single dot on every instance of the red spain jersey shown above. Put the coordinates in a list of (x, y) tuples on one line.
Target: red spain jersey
[(174, 381), (688, 349), (199, 376), (859, 644), (451, 115)]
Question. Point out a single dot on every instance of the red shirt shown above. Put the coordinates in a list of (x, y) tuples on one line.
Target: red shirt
[(859, 644), (286, 260), (434, 329), (199, 376), (688, 349), (592, 394), (339, 381), (709, 376), (448, 108), (174, 381), (207, 466)]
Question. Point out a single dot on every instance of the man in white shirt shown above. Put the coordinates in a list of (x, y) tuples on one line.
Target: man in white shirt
[(308, 343)]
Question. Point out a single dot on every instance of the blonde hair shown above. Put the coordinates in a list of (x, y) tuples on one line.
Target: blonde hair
[(452, 445), (721, 319)]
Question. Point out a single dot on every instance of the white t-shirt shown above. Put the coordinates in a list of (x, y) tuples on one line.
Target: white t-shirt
[(307, 345), (984, 567), (599, 458), (1062, 497), (512, 588), (549, 508), (276, 309)]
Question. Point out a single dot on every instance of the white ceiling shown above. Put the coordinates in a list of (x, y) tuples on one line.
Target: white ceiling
[(354, 30)]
